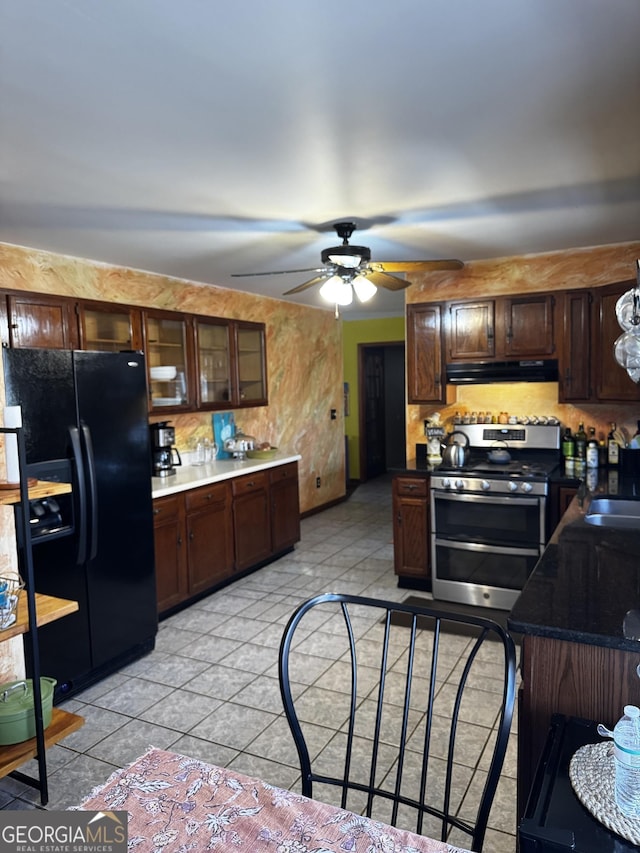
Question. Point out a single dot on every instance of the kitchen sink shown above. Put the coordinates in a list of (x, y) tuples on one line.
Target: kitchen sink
[(614, 512)]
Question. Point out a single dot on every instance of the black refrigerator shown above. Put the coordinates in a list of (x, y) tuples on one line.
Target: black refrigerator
[(85, 422)]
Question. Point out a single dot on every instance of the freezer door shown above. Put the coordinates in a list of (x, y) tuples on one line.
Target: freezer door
[(41, 382)]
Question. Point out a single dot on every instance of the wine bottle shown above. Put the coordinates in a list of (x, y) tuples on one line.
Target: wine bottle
[(568, 444), (613, 448), (581, 442)]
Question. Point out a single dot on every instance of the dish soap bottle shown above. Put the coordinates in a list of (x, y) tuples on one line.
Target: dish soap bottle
[(592, 449), (626, 751)]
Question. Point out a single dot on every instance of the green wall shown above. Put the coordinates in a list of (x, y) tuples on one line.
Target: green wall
[(356, 332)]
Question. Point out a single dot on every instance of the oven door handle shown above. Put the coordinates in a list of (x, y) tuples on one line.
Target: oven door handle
[(487, 549), (474, 497)]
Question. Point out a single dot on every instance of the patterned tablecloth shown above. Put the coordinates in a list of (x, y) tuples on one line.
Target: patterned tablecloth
[(177, 803)]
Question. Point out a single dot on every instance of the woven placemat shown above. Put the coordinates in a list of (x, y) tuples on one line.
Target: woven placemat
[(592, 775)]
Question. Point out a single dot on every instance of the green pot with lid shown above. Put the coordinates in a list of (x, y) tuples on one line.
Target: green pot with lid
[(17, 717)]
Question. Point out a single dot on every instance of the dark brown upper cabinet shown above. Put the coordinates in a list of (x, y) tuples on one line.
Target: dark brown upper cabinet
[(589, 372), (230, 363), (611, 382), (471, 330), (425, 366), (528, 326), (168, 345), (109, 328), (574, 350), (250, 364), (34, 320), (507, 327)]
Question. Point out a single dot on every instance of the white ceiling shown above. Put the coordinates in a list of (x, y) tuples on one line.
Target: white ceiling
[(200, 138)]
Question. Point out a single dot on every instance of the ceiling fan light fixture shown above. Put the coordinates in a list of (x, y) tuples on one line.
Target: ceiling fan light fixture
[(337, 291), (365, 289), (347, 256)]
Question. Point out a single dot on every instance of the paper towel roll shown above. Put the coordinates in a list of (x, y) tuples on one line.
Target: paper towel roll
[(12, 418)]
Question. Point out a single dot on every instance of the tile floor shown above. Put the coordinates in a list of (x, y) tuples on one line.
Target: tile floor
[(210, 687)]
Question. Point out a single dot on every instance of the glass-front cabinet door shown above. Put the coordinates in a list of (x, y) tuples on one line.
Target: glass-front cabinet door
[(166, 347), (108, 329), (213, 364), (251, 366)]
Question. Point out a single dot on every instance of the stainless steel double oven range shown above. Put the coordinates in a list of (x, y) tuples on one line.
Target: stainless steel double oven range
[(488, 520)]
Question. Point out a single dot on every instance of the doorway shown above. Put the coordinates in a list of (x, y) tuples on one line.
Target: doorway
[(382, 408)]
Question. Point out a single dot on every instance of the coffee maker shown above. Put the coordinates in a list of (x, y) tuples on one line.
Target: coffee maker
[(164, 453)]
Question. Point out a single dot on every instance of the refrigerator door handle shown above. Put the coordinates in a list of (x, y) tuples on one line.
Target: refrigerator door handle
[(93, 491), (74, 436)]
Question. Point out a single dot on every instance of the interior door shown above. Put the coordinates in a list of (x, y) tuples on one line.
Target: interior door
[(374, 412)]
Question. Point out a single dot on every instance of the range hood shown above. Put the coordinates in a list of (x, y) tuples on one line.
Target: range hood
[(486, 372)]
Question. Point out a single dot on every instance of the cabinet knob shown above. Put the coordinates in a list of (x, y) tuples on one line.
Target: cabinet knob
[(179, 541), (156, 512)]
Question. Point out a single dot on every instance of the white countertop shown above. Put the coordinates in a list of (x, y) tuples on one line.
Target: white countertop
[(190, 476)]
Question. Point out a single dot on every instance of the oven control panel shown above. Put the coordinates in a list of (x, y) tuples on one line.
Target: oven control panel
[(465, 483)]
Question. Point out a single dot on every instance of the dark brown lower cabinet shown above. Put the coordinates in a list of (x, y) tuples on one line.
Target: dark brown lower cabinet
[(193, 539), (285, 506), (206, 535), (576, 679), (411, 528), (209, 536), (169, 534), (251, 520)]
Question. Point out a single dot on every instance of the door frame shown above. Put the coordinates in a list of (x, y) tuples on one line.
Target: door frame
[(362, 443)]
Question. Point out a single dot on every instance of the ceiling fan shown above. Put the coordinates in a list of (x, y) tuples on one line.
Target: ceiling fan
[(347, 268)]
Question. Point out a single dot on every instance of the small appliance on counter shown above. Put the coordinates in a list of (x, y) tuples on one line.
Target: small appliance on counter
[(164, 454)]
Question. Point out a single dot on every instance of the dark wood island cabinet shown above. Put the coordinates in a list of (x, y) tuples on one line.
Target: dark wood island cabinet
[(578, 655)]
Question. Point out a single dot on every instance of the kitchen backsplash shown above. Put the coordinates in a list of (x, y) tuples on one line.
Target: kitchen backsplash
[(523, 400)]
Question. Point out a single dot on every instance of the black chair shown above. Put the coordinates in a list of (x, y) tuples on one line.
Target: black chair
[(387, 710)]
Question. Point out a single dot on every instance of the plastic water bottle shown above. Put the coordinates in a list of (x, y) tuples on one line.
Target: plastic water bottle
[(626, 740)]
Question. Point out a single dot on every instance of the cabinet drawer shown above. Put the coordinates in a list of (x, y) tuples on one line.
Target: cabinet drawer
[(164, 508), (249, 483), (283, 472), (410, 486), (206, 495)]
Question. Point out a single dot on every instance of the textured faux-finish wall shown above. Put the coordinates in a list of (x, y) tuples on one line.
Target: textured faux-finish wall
[(356, 332), (548, 272), (304, 352)]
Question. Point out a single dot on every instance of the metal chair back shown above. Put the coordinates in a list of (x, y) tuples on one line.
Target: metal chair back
[(390, 700)]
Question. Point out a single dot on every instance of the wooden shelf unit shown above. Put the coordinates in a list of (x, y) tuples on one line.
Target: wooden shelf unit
[(48, 609), (62, 724), (41, 489), (34, 610)]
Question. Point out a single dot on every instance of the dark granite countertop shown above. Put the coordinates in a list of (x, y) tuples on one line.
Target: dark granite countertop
[(586, 586)]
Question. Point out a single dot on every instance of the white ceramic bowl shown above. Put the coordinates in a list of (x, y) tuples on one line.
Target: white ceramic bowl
[(164, 373)]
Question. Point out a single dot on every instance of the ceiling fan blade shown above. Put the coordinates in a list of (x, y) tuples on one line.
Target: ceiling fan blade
[(277, 272), (383, 279), (424, 266), (317, 280)]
